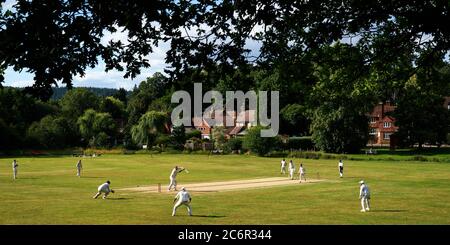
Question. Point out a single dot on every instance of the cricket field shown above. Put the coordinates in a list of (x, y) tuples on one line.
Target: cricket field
[(48, 191)]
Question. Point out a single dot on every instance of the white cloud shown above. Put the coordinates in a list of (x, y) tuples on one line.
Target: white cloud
[(20, 83), (119, 35), (8, 4), (111, 79)]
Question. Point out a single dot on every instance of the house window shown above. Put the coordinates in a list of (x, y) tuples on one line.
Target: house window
[(373, 131), (373, 120), (387, 136), (448, 105), (386, 125)]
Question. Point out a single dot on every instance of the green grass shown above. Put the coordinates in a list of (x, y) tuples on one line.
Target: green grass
[(48, 192)]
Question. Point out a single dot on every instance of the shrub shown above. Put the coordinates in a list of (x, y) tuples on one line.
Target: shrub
[(194, 134), (257, 144), (301, 143), (420, 158), (277, 154), (234, 144)]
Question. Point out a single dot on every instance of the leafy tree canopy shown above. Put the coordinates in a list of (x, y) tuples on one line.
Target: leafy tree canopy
[(57, 40), (148, 127)]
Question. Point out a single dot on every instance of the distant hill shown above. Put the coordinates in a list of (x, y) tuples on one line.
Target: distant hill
[(59, 92)]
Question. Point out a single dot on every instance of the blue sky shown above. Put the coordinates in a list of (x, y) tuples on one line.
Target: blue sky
[(96, 77)]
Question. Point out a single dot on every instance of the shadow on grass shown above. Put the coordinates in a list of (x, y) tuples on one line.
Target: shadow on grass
[(91, 177), (388, 211), (27, 178), (201, 191), (119, 198), (209, 216)]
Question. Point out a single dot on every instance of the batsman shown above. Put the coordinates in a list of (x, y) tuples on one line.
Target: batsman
[(173, 177)]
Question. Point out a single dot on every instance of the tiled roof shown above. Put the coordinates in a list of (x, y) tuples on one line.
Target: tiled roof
[(235, 130), (377, 110)]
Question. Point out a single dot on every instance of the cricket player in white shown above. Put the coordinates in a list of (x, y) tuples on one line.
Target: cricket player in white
[(301, 173), (105, 189), (283, 166), (173, 177), (291, 169), (182, 198), (15, 166), (79, 168), (341, 168), (364, 195)]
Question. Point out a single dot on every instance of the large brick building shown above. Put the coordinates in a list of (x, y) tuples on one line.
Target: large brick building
[(381, 124)]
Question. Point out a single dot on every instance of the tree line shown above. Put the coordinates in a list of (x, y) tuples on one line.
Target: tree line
[(331, 112)]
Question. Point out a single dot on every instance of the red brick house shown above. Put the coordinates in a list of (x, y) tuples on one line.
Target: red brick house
[(202, 125), (381, 124), (241, 122)]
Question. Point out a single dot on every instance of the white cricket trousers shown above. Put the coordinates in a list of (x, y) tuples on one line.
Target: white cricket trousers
[(291, 173), (99, 193), (173, 183), (301, 176), (179, 203), (79, 172), (14, 173), (283, 170), (365, 204)]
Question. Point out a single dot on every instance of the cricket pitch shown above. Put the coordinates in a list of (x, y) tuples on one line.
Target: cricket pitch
[(224, 185)]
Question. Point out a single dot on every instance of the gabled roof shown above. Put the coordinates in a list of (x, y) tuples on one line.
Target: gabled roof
[(199, 121), (388, 119), (377, 110), (220, 116), (235, 131)]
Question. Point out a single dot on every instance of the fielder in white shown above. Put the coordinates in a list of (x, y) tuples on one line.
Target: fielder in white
[(301, 173), (364, 195), (283, 166), (182, 198), (79, 168), (105, 189), (15, 166), (341, 168), (173, 177), (291, 169)]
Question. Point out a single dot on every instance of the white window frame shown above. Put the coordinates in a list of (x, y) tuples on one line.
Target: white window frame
[(387, 136), (387, 125)]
